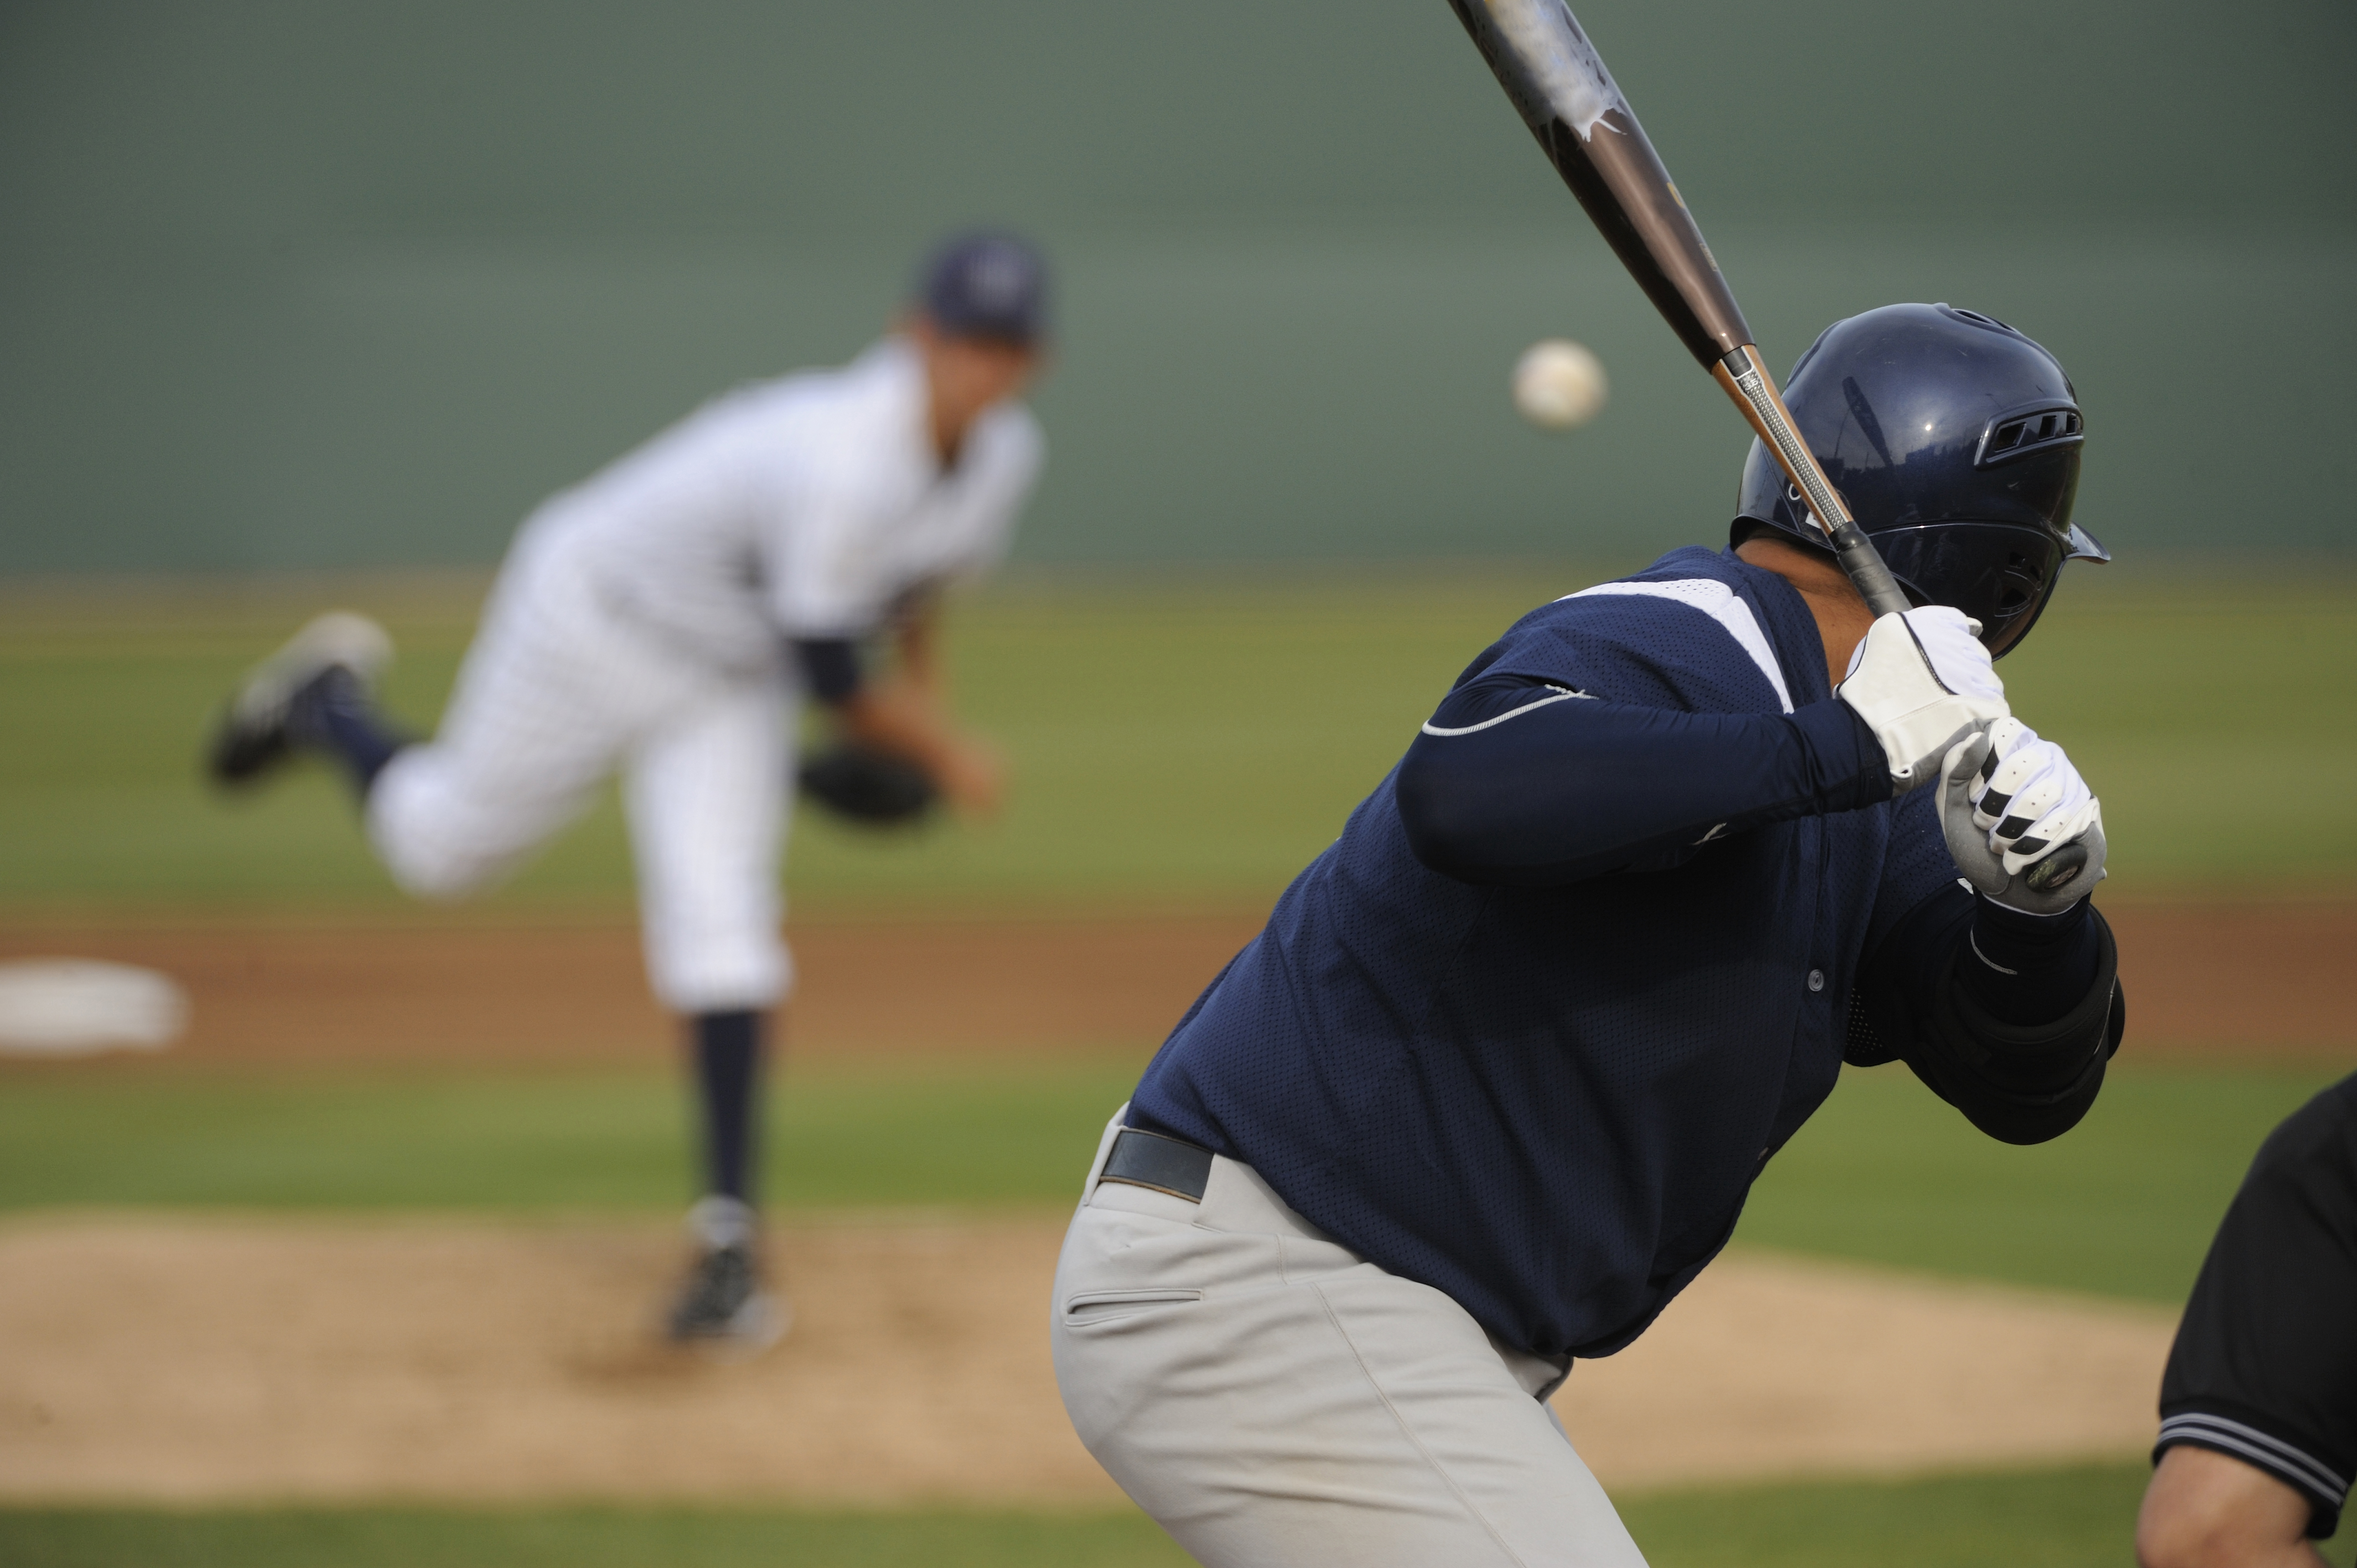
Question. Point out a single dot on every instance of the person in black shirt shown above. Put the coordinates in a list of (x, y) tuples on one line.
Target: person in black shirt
[(2259, 1430)]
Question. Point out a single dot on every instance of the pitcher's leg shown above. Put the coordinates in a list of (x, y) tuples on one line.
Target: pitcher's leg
[(448, 822), (544, 705), (706, 795)]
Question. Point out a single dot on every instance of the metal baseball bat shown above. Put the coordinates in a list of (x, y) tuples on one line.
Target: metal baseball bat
[(1570, 101)]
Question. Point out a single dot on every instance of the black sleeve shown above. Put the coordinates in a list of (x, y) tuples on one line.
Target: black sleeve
[(2264, 1367), (1992, 1046), (830, 666), (2028, 969), (1517, 782)]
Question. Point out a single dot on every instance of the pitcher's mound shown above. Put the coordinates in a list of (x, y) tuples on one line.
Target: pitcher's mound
[(170, 1358)]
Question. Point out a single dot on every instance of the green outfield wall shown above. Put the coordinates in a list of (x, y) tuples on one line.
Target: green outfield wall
[(296, 284)]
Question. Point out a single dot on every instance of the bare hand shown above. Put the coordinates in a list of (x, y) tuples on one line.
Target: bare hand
[(905, 719), (972, 776)]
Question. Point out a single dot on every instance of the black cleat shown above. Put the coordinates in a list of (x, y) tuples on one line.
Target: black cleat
[(252, 737), (722, 1303)]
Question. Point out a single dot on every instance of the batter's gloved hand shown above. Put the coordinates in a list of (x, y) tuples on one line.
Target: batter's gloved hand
[(2020, 821), (864, 785), (1922, 682)]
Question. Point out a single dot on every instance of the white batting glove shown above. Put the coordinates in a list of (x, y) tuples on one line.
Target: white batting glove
[(1922, 682), (2020, 822)]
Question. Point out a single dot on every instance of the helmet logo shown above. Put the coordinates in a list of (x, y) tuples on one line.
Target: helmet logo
[(1808, 517)]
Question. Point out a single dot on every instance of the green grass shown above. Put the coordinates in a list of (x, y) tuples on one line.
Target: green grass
[(2122, 1206), (1167, 743), (2140, 676), (953, 1135), (572, 1537), (1187, 741), (2080, 1518), (1196, 739)]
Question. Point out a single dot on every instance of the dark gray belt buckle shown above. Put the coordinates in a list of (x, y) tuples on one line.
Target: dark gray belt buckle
[(1157, 1163)]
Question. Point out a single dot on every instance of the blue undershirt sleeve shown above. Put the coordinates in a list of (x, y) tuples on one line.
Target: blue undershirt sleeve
[(1516, 781)]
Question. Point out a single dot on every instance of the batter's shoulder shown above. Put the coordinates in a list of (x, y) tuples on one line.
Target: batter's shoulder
[(1697, 631)]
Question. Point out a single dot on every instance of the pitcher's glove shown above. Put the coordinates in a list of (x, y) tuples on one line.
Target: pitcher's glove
[(2020, 823), (873, 788)]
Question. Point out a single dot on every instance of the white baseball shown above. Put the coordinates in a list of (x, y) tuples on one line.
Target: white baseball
[(1558, 385)]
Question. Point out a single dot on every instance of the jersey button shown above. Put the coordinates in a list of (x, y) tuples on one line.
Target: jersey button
[(1816, 979)]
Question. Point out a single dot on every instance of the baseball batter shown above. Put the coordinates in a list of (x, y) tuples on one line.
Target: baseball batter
[(1491, 1087), (666, 618)]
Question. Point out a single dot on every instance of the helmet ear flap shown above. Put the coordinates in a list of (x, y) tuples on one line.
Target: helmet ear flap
[(2000, 574)]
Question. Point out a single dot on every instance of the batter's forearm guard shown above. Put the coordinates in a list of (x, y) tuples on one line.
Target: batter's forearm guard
[(2019, 1083), (2016, 1083)]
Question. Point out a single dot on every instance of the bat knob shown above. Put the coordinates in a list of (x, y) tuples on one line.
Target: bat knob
[(2058, 870)]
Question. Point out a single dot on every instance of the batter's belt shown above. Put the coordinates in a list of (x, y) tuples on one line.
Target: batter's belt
[(1158, 1161)]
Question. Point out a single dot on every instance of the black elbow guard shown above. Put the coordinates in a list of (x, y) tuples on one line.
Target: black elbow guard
[(2021, 1083)]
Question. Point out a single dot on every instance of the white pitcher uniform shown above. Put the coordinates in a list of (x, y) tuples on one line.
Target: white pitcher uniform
[(640, 623)]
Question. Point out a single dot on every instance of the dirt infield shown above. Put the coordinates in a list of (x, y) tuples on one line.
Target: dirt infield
[(2201, 978), (171, 1360), (571, 994)]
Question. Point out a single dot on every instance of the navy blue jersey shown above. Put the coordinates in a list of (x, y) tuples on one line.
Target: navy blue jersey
[(1550, 1101)]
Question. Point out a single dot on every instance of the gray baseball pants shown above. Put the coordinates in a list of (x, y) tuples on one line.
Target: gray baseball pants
[(1274, 1401)]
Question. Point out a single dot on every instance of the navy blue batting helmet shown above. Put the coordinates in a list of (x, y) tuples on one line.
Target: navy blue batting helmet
[(1955, 441)]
